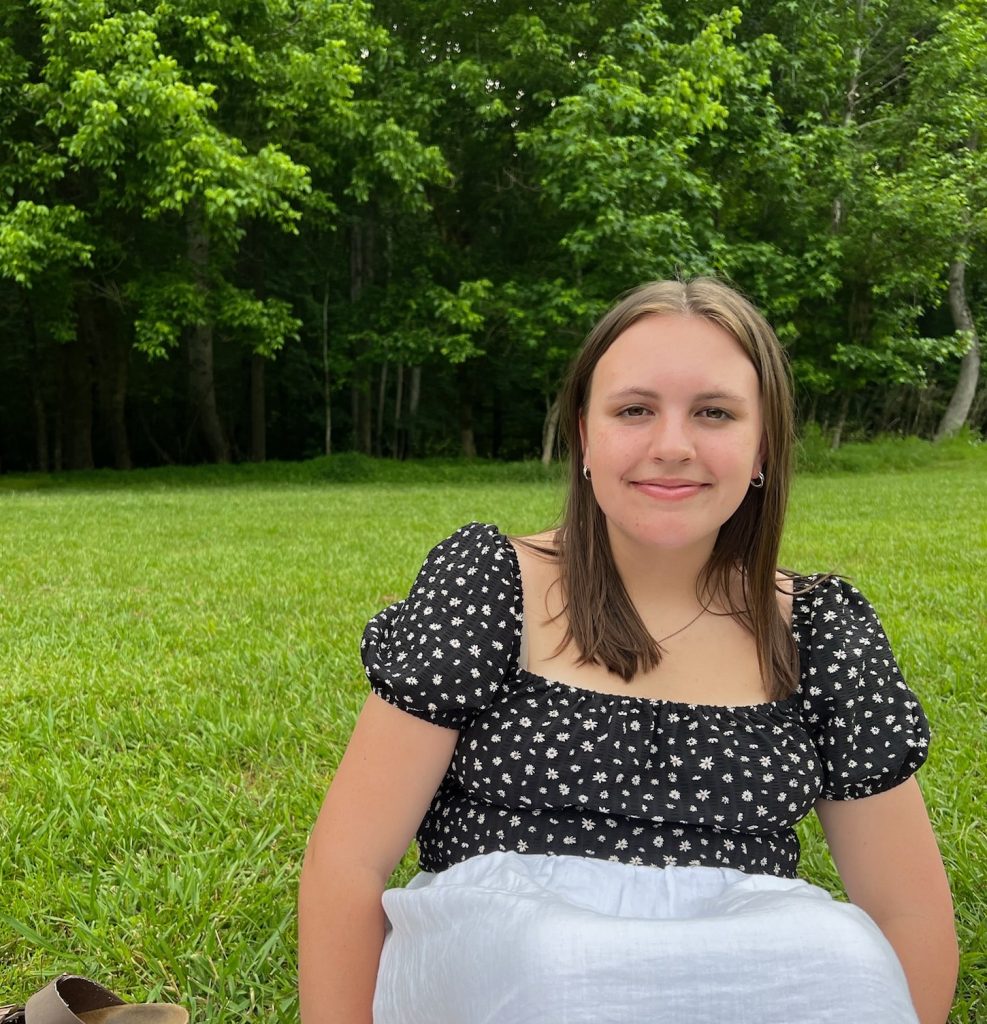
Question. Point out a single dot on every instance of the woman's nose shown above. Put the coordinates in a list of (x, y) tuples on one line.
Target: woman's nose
[(671, 439)]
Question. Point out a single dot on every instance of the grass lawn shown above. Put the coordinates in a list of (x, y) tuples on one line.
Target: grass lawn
[(180, 674)]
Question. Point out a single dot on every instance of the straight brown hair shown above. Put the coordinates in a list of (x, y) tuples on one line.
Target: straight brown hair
[(748, 542)]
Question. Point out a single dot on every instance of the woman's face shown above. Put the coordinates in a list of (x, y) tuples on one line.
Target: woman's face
[(672, 433)]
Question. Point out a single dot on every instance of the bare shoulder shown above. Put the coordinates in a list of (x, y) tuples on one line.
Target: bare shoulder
[(539, 567), (785, 588), (785, 582), (537, 547)]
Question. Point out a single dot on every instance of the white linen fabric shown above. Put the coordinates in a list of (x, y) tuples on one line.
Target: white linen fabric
[(505, 938)]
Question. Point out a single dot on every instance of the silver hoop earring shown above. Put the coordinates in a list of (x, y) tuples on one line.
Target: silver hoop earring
[(758, 482), (586, 472)]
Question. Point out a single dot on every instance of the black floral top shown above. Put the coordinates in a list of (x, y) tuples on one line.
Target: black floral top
[(544, 767)]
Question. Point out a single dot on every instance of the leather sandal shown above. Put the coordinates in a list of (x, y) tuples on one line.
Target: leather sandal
[(72, 999)]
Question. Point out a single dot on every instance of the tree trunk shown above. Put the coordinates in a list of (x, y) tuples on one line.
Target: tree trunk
[(414, 398), (165, 456), (978, 413), (258, 412), (466, 435), (77, 403), (549, 431), (381, 395), (114, 380), (104, 333), (813, 408), (398, 435), (361, 275), (496, 423), (202, 390), (921, 422), (40, 432), (362, 419), (355, 413), (57, 459), (202, 386), (852, 95), (326, 379), (366, 420), (37, 391), (961, 400), (837, 438), (361, 255)]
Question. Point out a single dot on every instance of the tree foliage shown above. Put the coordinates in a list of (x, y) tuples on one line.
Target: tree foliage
[(279, 228)]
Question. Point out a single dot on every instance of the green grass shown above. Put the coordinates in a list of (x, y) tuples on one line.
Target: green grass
[(180, 674), (814, 453)]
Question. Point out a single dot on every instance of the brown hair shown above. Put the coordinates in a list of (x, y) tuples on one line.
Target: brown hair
[(748, 541)]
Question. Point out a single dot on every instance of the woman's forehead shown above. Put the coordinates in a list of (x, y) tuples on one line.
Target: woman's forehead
[(660, 352)]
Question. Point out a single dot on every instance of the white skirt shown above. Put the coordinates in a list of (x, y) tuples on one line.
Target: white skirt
[(506, 938)]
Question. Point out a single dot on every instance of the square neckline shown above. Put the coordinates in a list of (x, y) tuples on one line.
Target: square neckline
[(546, 683)]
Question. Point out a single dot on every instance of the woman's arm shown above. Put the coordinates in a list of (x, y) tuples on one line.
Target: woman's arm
[(887, 857), (385, 782)]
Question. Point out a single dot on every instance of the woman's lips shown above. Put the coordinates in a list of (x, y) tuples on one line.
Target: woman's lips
[(668, 490)]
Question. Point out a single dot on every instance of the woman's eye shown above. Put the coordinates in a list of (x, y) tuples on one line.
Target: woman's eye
[(715, 414), (634, 411)]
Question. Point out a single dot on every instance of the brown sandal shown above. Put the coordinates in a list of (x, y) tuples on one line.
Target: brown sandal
[(72, 999)]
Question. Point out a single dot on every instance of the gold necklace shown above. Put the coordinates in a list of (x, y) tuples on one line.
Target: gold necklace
[(682, 629)]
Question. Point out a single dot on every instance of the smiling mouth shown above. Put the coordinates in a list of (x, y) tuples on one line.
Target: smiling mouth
[(669, 490)]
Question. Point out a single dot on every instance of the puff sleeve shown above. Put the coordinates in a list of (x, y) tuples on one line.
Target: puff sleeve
[(868, 727), (446, 651)]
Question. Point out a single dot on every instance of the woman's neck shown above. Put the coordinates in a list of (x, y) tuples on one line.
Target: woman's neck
[(663, 584)]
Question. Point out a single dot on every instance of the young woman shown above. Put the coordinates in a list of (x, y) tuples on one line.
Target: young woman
[(604, 736)]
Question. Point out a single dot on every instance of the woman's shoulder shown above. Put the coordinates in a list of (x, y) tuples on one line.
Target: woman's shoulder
[(471, 537), (535, 552), (829, 616), (824, 596), (475, 548), (476, 560), (449, 647), (866, 722), (785, 586), (806, 592), (546, 541), (841, 640), (799, 593)]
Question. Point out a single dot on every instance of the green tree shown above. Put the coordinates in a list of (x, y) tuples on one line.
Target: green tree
[(934, 179)]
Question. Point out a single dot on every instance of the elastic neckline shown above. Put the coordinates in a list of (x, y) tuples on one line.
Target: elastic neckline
[(544, 682)]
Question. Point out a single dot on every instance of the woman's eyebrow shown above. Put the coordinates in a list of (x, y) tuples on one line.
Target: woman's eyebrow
[(721, 395), (717, 395), (634, 393)]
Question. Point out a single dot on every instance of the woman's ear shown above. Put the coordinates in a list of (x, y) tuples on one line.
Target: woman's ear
[(583, 443)]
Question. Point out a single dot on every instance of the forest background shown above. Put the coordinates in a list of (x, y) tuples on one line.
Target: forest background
[(284, 228)]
